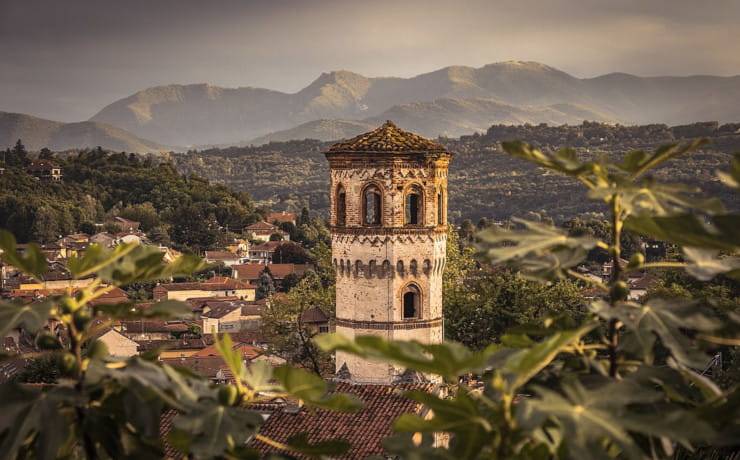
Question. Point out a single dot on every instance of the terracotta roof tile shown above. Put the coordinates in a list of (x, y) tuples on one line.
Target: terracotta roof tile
[(278, 271), (387, 138), (364, 430)]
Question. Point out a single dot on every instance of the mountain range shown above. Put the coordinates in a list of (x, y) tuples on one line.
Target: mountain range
[(450, 102), (37, 133)]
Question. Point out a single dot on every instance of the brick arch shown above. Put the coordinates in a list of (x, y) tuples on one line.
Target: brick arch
[(411, 288), (363, 204)]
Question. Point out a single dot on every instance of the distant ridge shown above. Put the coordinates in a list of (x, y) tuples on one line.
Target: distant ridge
[(37, 133), (465, 98)]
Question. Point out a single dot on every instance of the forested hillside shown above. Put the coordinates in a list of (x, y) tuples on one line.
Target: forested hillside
[(96, 185), (483, 181)]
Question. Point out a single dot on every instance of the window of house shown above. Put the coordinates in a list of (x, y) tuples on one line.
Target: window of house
[(411, 302), (341, 207), (323, 329), (372, 204), (413, 206)]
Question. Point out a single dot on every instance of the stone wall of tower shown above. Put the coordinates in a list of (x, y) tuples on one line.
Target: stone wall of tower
[(374, 265)]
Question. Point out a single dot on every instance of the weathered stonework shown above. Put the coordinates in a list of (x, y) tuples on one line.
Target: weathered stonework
[(376, 264)]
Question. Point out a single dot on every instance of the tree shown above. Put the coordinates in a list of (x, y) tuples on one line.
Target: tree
[(491, 302), (144, 213), (45, 226), (287, 335), (46, 154), (593, 385), (18, 157), (290, 253), (88, 228), (265, 285), (276, 237), (305, 217)]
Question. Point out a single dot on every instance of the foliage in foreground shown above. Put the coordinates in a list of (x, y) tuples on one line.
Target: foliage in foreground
[(637, 391), (104, 407)]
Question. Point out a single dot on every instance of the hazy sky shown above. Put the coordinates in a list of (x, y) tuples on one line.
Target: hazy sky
[(66, 59)]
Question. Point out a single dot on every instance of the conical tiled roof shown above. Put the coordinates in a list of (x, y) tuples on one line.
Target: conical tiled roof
[(387, 138)]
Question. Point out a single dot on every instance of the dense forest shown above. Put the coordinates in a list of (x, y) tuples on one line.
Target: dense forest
[(188, 211), (486, 182)]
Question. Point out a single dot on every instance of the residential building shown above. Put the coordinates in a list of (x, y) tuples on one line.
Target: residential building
[(217, 286), (103, 239), (251, 272), (149, 329), (262, 253), (315, 320), (125, 225), (45, 170), (226, 258), (262, 231), (119, 346)]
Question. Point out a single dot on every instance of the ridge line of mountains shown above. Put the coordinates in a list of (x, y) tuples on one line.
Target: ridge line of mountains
[(448, 102)]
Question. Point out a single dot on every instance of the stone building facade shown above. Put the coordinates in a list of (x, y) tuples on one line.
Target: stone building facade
[(389, 230)]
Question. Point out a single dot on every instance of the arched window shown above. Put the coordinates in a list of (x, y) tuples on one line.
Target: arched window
[(341, 207), (440, 208), (372, 204), (413, 206), (411, 302)]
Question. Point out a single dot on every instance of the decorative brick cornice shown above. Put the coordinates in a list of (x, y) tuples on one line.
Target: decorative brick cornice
[(389, 325), (386, 231)]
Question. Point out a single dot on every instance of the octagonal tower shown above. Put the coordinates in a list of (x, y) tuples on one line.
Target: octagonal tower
[(389, 231)]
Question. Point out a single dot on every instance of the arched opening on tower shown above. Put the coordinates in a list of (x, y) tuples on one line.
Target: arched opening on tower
[(440, 207), (372, 204), (411, 302), (341, 207), (413, 206)]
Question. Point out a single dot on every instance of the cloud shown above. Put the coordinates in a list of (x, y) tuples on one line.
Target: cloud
[(66, 60)]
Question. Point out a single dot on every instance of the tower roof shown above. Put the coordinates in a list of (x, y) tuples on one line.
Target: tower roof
[(387, 138)]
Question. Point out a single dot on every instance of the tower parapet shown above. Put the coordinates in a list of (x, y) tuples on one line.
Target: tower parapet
[(389, 233)]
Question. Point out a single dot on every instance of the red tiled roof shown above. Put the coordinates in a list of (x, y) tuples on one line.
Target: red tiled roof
[(228, 284), (364, 430), (278, 271), (387, 138), (149, 325), (261, 226), (221, 255), (248, 351), (220, 310), (314, 315), (175, 344), (266, 246), (281, 217)]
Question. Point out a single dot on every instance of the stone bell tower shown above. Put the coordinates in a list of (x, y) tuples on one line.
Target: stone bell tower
[(389, 231)]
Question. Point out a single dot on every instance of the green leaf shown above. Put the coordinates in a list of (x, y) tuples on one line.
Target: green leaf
[(95, 258), (639, 164), (258, 377), (653, 198), (312, 390), (30, 317), (164, 309), (32, 262), (586, 416), (233, 358), (461, 416), (731, 178), (26, 412), (667, 320), (524, 364), (504, 245), (449, 360), (145, 263), (210, 430), (718, 232), (300, 443), (563, 160), (704, 264)]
